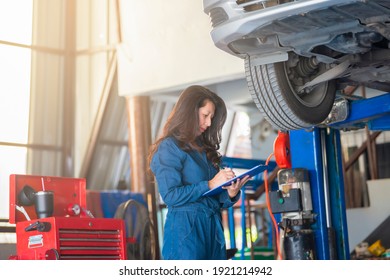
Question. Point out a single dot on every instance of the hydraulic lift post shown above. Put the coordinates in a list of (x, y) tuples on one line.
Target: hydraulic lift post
[(327, 188), (319, 151)]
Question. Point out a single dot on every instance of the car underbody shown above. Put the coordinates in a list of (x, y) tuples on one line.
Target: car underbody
[(299, 55)]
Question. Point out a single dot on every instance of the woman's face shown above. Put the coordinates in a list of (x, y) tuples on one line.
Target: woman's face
[(206, 114)]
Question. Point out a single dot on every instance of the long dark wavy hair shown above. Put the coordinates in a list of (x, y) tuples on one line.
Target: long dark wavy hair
[(183, 124)]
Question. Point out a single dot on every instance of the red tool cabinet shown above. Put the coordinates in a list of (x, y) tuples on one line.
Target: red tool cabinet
[(70, 231)]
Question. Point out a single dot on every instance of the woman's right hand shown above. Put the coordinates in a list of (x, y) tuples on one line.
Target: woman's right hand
[(221, 177)]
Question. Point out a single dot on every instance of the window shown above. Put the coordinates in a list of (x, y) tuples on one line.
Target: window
[(14, 91)]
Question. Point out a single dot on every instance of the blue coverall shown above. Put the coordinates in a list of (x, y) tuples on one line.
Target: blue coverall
[(193, 227)]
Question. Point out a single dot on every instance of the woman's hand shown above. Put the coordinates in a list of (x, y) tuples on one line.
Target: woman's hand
[(221, 177), (225, 175), (236, 186)]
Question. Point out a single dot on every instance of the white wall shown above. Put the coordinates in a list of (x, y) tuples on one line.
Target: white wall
[(167, 45), (363, 221)]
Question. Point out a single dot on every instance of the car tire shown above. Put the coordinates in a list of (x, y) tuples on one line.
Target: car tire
[(274, 89)]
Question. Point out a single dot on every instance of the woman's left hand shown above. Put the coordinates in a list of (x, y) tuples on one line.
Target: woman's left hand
[(236, 186)]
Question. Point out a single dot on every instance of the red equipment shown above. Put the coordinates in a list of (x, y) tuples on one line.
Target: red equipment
[(282, 150), (62, 227)]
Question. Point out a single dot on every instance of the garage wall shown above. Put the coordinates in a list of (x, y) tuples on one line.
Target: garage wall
[(167, 44), (363, 221)]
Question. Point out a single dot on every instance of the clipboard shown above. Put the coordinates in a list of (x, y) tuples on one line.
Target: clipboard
[(251, 172)]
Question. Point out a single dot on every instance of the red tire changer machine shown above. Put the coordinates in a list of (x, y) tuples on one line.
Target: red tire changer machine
[(52, 222)]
